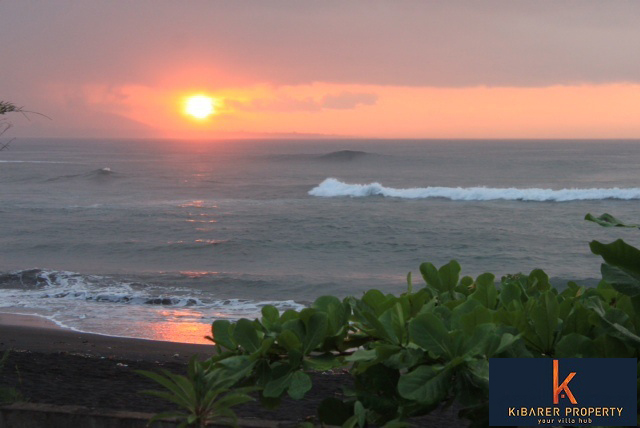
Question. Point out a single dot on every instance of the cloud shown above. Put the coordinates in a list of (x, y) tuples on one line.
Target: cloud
[(288, 103), (439, 44), (348, 100), (280, 104)]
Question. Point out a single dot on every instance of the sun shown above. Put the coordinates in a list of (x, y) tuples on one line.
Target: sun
[(200, 106)]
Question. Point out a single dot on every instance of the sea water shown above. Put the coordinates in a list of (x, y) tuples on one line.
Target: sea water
[(156, 239)]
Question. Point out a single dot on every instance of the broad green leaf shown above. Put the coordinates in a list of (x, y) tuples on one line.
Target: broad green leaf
[(246, 335), (538, 281), (360, 413), (544, 315), (324, 302), (624, 257), (449, 275), (374, 299), (289, 340), (289, 315), (427, 384), (316, 329), (404, 358), (510, 292), (222, 333), (444, 313), (337, 313), (236, 366), (577, 321), (417, 301), (478, 370), (573, 290), (362, 355), (352, 422), (393, 322), (322, 363), (507, 340), (572, 345), (275, 387), (626, 335), (378, 329), (465, 285), (270, 316), (620, 279), (428, 332), (295, 326), (299, 385), (479, 341), (468, 315), (431, 277), (486, 292), (607, 220), (606, 346), (463, 308)]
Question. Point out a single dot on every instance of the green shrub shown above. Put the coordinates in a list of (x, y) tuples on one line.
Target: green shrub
[(205, 394)]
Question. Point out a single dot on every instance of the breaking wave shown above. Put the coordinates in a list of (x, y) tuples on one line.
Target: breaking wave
[(37, 287), (332, 187), (99, 174)]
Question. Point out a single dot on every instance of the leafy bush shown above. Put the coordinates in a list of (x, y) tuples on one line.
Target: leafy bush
[(412, 353), (205, 393)]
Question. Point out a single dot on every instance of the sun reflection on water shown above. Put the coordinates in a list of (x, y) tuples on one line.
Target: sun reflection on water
[(180, 326)]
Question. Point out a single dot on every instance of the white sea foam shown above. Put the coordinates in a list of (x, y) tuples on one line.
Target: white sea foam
[(332, 187), (101, 304)]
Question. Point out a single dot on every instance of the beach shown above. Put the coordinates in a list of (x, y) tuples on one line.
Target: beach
[(51, 365)]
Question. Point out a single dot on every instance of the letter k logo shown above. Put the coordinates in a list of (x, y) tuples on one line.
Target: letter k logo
[(564, 386)]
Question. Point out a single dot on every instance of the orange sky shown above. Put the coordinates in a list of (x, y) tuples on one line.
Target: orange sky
[(459, 69), (585, 111)]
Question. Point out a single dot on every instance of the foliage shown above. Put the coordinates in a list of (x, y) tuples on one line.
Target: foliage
[(7, 107), (430, 347), (607, 220), (412, 353), (205, 393)]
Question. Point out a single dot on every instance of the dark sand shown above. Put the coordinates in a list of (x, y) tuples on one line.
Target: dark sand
[(51, 365)]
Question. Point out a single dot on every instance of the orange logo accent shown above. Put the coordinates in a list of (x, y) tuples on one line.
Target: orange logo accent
[(564, 386)]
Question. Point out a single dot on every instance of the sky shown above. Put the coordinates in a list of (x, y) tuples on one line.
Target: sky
[(372, 69)]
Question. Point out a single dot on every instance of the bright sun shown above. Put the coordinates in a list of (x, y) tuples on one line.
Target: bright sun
[(200, 106)]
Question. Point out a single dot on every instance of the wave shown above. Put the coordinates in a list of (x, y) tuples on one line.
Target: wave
[(99, 174), (33, 288), (332, 187)]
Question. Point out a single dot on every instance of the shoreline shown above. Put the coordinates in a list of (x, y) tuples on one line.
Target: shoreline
[(38, 334), (55, 366)]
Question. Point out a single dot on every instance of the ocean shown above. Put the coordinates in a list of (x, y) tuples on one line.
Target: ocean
[(158, 238)]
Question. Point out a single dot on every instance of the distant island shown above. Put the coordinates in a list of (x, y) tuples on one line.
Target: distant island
[(345, 155)]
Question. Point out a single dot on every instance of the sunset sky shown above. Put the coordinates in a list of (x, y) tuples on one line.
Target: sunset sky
[(389, 69)]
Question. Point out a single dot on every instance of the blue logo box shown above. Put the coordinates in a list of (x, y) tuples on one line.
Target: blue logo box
[(563, 391)]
